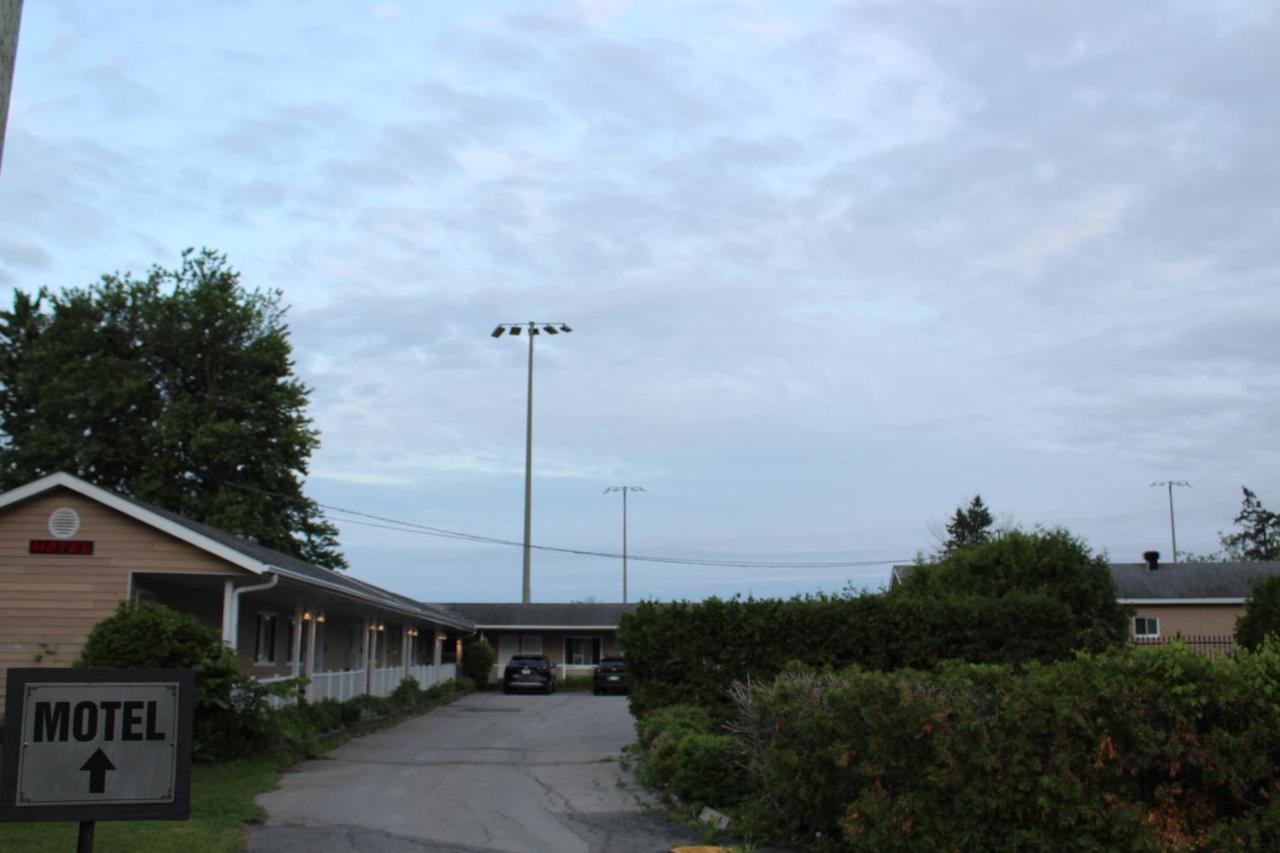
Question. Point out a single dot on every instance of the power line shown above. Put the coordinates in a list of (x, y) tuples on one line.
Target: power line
[(385, 523)]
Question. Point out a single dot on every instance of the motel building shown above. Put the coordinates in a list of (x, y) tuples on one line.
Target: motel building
[(71, 552)]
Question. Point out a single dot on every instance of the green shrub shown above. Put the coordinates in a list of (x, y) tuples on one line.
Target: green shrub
[(325, 715), (408, 693), (232, 718), (1261, 614), (1149, 749), (478, 658), (708, 769)]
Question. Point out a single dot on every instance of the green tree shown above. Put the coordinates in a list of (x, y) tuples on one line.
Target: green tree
[(969, 526), (177, 390), (1261, 614), (478, 658), (1051, 564), (1258, 532)]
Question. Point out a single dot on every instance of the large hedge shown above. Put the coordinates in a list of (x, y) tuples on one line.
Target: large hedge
[(1261, 617), (1150, 749), (1025, 597)]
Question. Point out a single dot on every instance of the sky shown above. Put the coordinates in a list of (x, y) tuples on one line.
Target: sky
[(831, 269)]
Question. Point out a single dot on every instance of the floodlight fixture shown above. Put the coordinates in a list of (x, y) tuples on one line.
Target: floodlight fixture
[(497, 332), (513, 330), (551, 330)]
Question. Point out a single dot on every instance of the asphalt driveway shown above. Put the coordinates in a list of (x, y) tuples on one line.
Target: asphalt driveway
[(488, 772)]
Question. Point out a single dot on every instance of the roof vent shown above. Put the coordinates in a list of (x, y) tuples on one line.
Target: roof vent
[(1152, 558), (64, 522)]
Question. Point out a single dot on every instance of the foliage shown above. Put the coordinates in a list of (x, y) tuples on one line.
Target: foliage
[(1148, 749), (232, 717), (478, 658), (1052, 563), (969, 526), (177, 390), (693, 652), (680, 752), (1261, 614), (1258, 532)]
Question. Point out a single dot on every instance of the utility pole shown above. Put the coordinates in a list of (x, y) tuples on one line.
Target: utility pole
[(10, 16), (514, 329), (1173, 530), (624, 490)]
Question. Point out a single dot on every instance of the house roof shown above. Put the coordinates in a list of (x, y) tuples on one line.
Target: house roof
[(543, 616), (1189, 583), (240, 552)]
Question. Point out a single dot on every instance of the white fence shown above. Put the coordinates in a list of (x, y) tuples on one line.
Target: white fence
[(345, 684)]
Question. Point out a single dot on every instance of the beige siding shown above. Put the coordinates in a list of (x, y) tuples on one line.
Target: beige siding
[(48, 603), (1192, 620)]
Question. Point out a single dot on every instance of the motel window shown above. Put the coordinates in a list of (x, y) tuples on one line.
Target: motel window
[(582, 651), (1146, 626), (264, 650)]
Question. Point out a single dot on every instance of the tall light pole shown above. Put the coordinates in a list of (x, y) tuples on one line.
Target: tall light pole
[(1173, 531), (624, 490), (533, 329)]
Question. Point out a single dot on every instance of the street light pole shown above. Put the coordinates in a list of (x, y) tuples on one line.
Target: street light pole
[(1173, 531), (514, 329), (624, 490)]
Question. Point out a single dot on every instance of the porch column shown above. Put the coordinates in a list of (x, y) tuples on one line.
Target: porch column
[(228, 613), (295, 654), (311, 645), (406, 651), (368, 658), (437, 649)]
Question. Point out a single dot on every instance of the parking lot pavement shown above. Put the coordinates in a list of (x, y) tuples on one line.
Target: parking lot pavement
[(488, 772)]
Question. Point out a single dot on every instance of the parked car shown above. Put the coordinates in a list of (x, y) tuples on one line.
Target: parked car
[(525, 672), (610, 676)]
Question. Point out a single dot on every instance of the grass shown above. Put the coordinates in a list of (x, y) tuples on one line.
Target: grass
[(221, 804)]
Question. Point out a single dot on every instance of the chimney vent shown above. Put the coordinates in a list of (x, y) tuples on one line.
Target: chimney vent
[(1152, 558)]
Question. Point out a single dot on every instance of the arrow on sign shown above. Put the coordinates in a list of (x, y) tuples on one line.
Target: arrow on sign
[(98, 765)]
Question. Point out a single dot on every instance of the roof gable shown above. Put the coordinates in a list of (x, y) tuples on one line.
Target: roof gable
[(1175, 582), (546, 616), (240, 552)]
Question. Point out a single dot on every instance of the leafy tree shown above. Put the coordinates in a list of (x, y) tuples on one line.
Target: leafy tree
[(1261, 614), (1049, 563), (478, 658), (1258, 532), (969, 526), (177, 390)]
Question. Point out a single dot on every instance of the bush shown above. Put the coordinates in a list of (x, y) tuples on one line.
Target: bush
[(408, 693), (1150, 749), (232, 718), (478, 658), (1261, 614), (684, 652), (1025, 597)]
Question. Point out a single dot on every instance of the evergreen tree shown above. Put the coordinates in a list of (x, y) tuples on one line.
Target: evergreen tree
[(969, 526), (177, 390), (1258, 532)]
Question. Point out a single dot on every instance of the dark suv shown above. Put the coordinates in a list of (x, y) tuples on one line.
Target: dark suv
[(529, 671), (610, 676)]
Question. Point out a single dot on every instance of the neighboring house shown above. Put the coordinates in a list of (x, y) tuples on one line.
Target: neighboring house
[(573, 636), (71, 552), (1187, 599)]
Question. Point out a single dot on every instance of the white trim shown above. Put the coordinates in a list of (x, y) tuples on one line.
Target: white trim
[(1177, 601), (1147, 636)]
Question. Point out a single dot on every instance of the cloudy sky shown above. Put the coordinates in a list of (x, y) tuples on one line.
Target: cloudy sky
[(832, 269)]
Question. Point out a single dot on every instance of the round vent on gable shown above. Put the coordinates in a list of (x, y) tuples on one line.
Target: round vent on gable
[(64, 522)]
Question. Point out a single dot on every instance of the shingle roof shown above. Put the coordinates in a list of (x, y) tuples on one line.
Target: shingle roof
[(305, 571), (1189, 581), (586, 615)]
